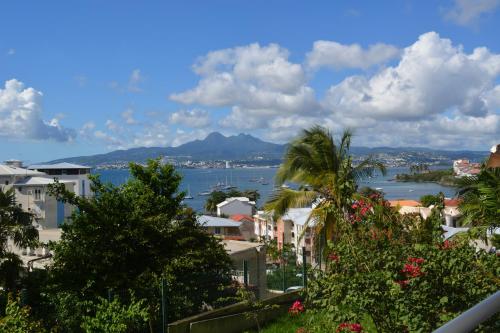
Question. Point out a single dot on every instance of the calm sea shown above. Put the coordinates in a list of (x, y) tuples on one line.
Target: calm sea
[(196, 181)]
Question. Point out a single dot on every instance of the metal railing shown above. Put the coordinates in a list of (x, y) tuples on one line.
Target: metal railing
[(473, 317)]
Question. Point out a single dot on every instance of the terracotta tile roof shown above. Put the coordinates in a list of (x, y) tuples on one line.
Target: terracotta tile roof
[(239, 217), (407, 203), (451, 202)]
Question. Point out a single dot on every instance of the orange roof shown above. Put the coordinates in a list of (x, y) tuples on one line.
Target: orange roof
[(402, 202), (451, 202), (239, 217)]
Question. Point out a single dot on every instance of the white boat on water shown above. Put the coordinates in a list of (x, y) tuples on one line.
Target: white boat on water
[(205, 193), (188, 195)]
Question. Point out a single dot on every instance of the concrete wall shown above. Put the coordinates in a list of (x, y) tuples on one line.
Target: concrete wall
[(44, 208), (235, 207), (233, 318)]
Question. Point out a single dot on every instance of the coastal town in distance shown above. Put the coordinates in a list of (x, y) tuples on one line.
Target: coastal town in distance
[(254, 166)]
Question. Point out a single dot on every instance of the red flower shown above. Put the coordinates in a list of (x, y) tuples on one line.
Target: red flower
[(333, 257), (447, 245), (296, 308), (411, 270), (354, 206), (417, 261), (349, 327), (403, 283)]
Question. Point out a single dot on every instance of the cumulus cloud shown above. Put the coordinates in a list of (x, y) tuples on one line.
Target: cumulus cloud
[(253, 80), (466, 12), (135, 81), (433, 76), (436, 94), (338, 56), (128, 116), (21, 115), (192, 118)]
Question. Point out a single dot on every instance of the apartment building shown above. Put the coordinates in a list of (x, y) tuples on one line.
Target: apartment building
[(79, 174), (265, 227), (32, 189), (292, 229)]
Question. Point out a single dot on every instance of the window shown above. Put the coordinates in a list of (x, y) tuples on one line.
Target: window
[(293, 234), (217, 230), (38, 194), (6, 182)]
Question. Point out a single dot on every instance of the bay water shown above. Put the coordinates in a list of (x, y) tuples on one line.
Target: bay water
[(196, 181)]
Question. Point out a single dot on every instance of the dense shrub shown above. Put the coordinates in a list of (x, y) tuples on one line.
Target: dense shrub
[(398, 270)]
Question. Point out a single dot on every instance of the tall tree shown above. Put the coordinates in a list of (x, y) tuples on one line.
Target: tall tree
[(17, 225), (215, 198), (127, 237), (315, 159)]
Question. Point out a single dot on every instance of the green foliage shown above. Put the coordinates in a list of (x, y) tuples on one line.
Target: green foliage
[(444, 177), (480, 195), (216, 197), (398, 270), (115, 317), (17, 225), (429, 199), (17, 319), (126, 238), (325, 166)]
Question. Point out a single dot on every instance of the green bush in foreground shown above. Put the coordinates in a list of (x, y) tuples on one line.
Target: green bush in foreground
[(398, 271)]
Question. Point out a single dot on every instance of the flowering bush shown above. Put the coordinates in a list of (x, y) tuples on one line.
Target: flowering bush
[(296, 308), (398, 274), (349, 327)]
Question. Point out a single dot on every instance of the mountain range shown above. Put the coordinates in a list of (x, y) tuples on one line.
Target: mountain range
[(247, 148)]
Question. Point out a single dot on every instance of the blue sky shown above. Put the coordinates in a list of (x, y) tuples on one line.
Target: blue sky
[(88, 77)]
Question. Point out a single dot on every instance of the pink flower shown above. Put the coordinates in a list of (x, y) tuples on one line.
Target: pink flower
[(296, 308), (349, 327)]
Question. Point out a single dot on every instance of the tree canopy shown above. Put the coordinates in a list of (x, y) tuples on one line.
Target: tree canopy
[(128, 237)]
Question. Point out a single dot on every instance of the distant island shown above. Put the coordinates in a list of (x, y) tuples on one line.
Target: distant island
[(245, 150), (443, 177)]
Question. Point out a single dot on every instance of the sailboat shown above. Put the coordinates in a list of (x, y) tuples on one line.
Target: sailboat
[(188, 195), (228, 186)]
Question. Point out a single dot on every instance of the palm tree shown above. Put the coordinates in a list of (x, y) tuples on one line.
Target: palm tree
[(480, 196), (215, 198), (324, 170), (17, 225)]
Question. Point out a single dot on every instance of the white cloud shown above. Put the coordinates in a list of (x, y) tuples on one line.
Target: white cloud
[(11, 52), (135, 81), (432, 77), (21, 115), (338, 56), (191, 118), (128, 116), (466, 12), (253, 80), (182, 136), (435, 95)]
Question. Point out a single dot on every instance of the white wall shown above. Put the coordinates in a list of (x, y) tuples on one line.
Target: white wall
[(235, 207)]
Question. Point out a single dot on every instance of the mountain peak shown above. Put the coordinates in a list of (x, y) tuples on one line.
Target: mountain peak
[(215, 135)]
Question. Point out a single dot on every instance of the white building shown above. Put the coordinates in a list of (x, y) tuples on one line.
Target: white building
[(235, 206), (78, 174), (293, 228), (32, 189)]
